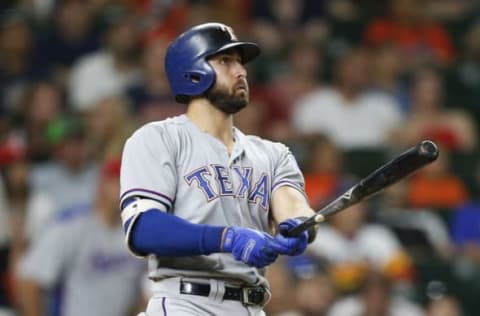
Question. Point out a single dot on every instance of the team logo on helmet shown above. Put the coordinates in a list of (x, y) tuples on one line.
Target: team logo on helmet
[(227, 29)]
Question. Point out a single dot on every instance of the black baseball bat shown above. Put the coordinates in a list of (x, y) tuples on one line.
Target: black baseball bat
[(393, 171)]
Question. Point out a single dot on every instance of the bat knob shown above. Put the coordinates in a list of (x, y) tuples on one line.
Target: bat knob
[(429, 150), (319, 218)]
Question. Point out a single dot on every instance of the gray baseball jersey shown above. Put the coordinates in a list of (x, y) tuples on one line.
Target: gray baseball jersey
[(192, 175), (90, 263)]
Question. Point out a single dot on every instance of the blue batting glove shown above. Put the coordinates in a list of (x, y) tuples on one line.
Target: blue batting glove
[(249, 246), (290, 246)]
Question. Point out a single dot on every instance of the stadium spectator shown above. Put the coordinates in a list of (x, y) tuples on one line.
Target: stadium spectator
[(282, 302), (315, 292), (278, 24), (324, 173), (16, 69), (150, 98), (5, 251), (464, 81), (346, 112), (376, 297), (107, 125), (447, 305), (68, 179), (451, 10), (422, 231), (300, 76), (437, 186), (464, 224), (387, 72), (291, 18), (110, 71), (429, 119), (419, 39), (353, 247), (71, 36), (43, 105)]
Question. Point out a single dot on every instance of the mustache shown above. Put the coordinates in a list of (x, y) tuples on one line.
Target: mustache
[(242, 83)]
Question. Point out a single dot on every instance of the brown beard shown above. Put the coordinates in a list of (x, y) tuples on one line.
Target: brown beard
[(226, 102)]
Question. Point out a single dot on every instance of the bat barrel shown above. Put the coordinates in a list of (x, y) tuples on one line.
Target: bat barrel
[(393, 171), (428, 149)]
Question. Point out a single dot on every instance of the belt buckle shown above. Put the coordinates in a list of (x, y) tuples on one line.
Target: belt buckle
[(253, 295)]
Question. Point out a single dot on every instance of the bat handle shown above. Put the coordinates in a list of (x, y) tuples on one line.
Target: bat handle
[(297, 230)]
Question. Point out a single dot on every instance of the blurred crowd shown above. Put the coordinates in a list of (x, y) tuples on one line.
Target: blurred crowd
[(346, 84)]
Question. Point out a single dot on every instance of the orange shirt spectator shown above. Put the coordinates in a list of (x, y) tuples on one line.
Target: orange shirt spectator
[(410, 28), (323, 170), (437, 186), (412, 39), (320, 187), (446, 191)]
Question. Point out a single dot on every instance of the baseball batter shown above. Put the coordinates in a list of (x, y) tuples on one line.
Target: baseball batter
[(199, 197)]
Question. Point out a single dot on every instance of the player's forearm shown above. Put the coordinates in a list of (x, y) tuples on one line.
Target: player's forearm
[(31, 299), (168, 235), (288, 202)]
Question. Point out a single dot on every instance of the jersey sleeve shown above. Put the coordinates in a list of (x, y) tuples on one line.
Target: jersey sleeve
[(148, 172), (287, 172), (148, 167)]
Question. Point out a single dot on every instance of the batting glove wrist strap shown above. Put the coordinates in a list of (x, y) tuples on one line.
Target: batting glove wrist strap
[(249, 246), (227, 239)]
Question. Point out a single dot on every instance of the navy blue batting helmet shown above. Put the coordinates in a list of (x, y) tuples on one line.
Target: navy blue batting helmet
[(186, 64)]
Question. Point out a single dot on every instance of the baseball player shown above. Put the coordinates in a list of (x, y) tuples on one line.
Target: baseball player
[(199, 197), (82, 261)]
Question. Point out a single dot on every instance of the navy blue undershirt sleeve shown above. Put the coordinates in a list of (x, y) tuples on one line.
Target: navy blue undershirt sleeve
[(168, 235)]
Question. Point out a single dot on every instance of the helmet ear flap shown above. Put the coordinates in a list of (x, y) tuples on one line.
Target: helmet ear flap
[(197, 82), (193, 77)]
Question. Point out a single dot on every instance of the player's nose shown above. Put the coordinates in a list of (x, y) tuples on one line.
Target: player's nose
[(240, 70)]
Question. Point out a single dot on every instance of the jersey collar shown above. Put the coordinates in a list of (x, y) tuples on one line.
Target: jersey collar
[(239, 147)]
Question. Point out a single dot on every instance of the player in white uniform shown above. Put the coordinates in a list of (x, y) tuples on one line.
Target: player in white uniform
[(199, 197)]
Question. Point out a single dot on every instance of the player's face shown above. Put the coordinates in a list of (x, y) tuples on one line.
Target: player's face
[(230, 92)]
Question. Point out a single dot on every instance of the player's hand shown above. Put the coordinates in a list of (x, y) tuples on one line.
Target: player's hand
[(249, 246), (291, 246)]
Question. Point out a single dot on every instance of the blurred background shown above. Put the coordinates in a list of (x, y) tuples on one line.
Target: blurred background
[(346, 84)]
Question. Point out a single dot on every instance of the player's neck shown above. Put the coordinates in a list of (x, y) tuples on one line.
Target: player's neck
[(211, 120)]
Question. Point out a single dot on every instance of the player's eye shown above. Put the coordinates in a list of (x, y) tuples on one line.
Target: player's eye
[(225, 60)]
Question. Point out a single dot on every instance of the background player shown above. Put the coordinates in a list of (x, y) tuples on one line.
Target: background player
[(199, 196), (83, 257)]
